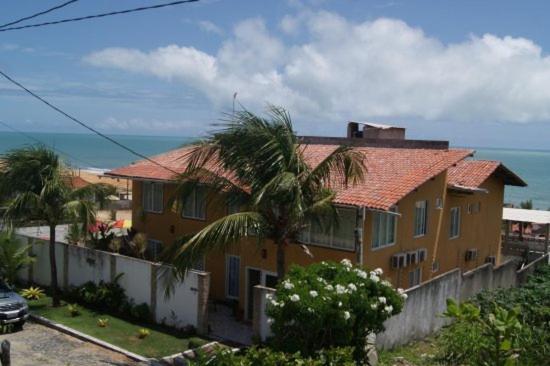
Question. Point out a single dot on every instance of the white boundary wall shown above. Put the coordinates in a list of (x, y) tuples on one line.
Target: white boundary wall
[(77, 265), (421, 315)]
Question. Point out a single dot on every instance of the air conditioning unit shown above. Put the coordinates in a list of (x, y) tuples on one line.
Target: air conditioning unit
[(412, 257), (435, 266), (471, 255), (399, 260), (491, 259), (422, 255)]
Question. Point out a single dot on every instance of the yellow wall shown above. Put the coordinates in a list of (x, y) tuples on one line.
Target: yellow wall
[(481, 231)]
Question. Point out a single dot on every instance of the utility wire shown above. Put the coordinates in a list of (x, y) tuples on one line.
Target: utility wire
[(38, 14), (30, 137), (99, 15), (74, 119)]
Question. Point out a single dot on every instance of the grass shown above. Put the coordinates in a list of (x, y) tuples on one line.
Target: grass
[(158, 343), (413, 354)]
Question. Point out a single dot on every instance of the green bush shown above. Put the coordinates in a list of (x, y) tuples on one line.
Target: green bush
[(464, 342), (328, 305), (267, 357)]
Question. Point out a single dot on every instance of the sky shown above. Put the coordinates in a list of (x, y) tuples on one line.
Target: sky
[(476, 73)]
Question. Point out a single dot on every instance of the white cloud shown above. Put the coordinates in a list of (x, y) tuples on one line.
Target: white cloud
[(380, 69), (210, 27)]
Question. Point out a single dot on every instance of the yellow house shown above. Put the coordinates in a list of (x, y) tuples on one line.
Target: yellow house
[(422, 210)]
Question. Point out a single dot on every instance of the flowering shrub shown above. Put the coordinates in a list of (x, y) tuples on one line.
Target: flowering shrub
[(330, 305)]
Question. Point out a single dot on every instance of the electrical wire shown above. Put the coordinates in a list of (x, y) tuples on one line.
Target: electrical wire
[(30, 137), (38, 14), (74, 119), (98, 15)]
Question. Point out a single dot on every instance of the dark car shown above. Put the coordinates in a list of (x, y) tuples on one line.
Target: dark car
[(13, 308)]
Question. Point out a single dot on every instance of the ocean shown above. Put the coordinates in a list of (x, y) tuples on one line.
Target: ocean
[(92, 152)]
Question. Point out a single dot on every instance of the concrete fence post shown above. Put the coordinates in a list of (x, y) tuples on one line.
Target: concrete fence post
[(31, 266), (260, 324), (154, 275), (65, 266), (203, 287), (112, 260)]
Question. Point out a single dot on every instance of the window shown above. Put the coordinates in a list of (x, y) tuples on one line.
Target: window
[(340, 236), (415, 277), (383, 228), (420, 218), (454, 231), (154, 248), (194, 206), (232, 275), (233, 207), (152, 197)]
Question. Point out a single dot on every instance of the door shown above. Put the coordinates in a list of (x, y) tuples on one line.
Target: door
[(254, 278), (232, 270)]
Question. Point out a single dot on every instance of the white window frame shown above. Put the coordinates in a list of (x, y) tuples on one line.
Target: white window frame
[(150, 206), (423, 224), (375, 228), (417, 277), (454, 231), (194, 215), (227, 261), (306, 235)]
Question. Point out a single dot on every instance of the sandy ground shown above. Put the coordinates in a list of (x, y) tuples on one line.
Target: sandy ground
[(39, 345)]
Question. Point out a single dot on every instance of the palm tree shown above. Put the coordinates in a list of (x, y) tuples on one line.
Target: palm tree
[(258, 163), (13, 256), (37, 184)]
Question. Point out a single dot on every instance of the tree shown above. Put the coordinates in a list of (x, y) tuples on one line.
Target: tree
[(35, 180), (259, 164), (526, 205), (13, 256)]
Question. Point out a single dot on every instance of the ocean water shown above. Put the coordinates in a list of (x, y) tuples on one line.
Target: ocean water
[(91, 151)]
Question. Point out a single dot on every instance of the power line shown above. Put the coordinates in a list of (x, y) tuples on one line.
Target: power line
[(74, 119), (38, 14), (30, 137), (99, 15)]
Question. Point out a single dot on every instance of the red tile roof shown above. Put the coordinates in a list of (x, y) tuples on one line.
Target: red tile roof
[(392, 173), (472, 173)]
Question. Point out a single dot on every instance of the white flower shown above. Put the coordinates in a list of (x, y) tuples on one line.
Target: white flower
[(281, 304), (295, 298), (378, 271), (361, 274), (269, 321), (340, 289), (313, 293), (374, 278), (274, 303), (339, 304), (346, 262), (404, 296), (400, 291), (382, 299), (386, 283), (269, 297), (288, 285), (352, 287), (310, 310), (347, 315), (388, 309), (329, 287), (321, 279), (373, 306)]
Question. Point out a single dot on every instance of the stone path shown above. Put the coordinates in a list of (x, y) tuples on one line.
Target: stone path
[(40, 345)]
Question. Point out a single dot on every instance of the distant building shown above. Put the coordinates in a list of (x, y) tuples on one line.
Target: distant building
[(422, 210)]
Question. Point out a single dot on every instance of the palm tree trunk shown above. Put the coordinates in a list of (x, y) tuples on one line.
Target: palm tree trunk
[(53, 268), (281, 259)]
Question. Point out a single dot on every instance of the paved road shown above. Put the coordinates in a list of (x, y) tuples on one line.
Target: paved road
[(40, 345)]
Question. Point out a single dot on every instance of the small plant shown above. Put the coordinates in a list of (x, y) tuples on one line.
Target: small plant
[(115, 245), (138, 245), (33, 293), (73, 310), (102, 322), (143, 333)]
